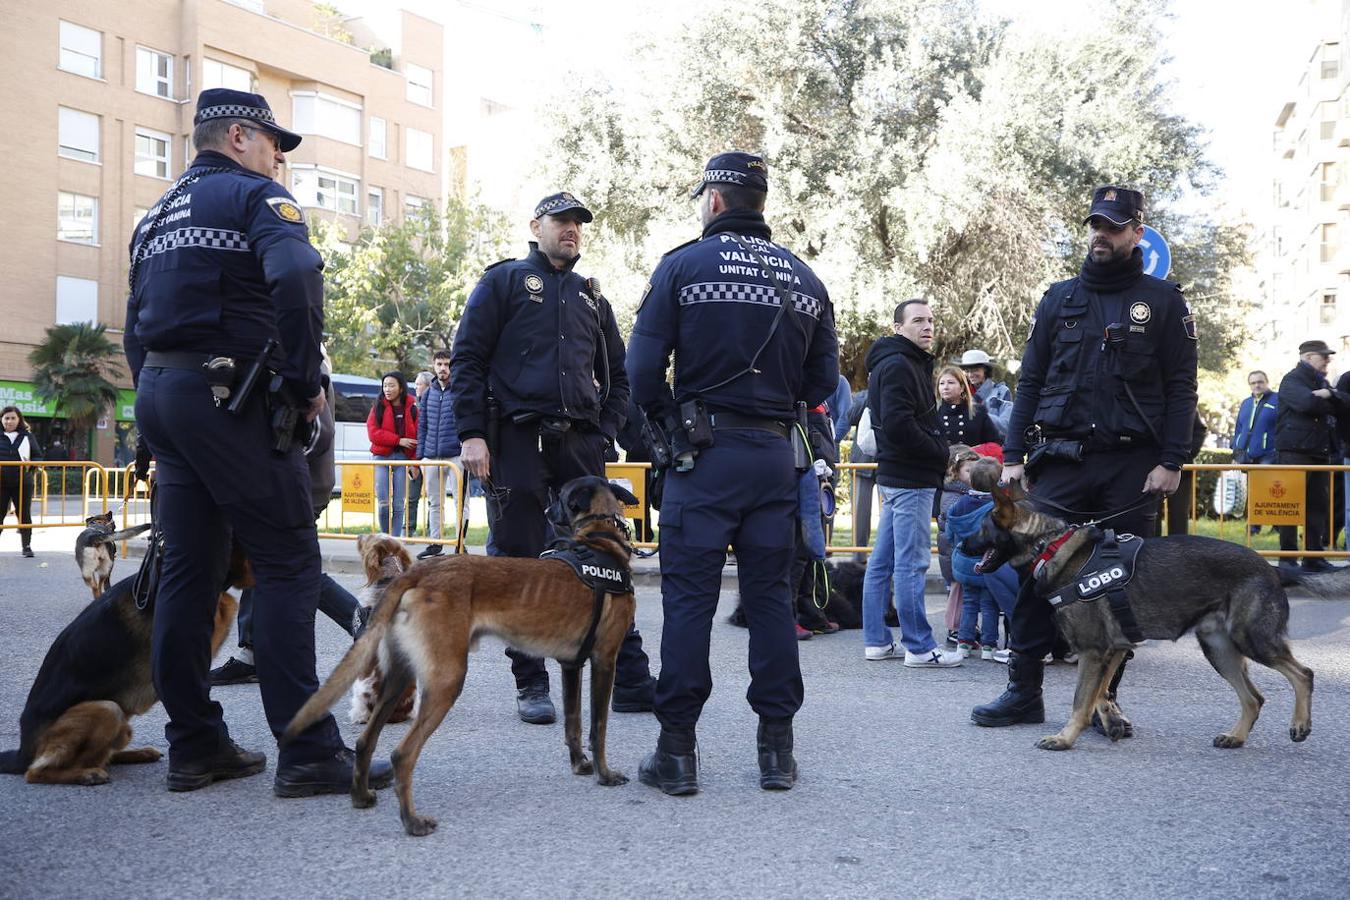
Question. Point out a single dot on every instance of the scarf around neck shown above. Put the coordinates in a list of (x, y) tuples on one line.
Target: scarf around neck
[(1112, 277)]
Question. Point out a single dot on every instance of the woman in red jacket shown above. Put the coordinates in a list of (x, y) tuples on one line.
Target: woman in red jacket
[(392, 426)]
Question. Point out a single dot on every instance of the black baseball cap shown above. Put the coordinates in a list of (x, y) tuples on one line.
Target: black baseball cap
[(223, 103), (1117, 205), (555, 204), (744, 169)]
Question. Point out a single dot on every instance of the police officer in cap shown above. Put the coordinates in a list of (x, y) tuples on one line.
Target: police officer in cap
[(1103, 415), (222, 272), (752, 331), (538, 367)]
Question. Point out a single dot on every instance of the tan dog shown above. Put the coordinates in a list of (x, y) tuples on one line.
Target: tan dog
[(94, 679), (93, 550), (432, 616), (383, 558)]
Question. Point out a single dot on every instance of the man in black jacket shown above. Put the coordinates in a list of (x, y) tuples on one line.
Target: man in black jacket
[(911, 460), (1303, 437)]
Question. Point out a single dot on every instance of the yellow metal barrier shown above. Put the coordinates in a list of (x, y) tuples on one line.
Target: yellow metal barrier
[(67, 515), (1330, 470), (357, 505)]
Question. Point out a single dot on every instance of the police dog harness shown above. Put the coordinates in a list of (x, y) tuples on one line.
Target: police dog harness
[(602, 573), (1106, 572)]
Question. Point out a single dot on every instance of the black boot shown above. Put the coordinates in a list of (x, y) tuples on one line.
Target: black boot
[(1121, 726), (674, 766), (1021, 702), (777, 767)]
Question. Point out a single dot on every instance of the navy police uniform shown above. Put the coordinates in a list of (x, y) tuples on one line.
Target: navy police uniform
[(539, 351), (221, 265), (1109, 366), (715, 303)]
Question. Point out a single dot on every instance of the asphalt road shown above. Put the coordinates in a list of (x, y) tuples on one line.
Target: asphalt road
[(900, 794)]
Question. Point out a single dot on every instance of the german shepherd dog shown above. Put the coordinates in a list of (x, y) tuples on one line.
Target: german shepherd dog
[(93, 550), (1227, 593), (433, 615), (94, 679)]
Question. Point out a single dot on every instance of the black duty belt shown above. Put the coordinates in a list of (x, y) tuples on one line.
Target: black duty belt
[(736, 420), (174, 359)]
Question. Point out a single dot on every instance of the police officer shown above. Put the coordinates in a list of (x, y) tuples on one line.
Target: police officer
[(1103, 415), (538, 367), (220, 267), (743, 359)]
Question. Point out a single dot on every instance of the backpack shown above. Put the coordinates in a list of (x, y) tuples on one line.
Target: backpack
[(866, 439)]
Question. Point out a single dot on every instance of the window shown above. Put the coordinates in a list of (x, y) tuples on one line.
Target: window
[(81, 50), (413, 205), (1327, 128), (136, 216), (154, 72), (1329, 245), (378, 133), (152, 153), (1330, 173), (76, 218), (327, 117), (76, 300), (1328, 316), (1331, 61), (419, 154), (419, 84), (374, 207), (216, 74), (79, 135), (325, 189)]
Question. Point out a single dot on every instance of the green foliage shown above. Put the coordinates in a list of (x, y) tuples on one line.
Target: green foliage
[(396, 295), (69, 370), (330, 22), (382, 56)]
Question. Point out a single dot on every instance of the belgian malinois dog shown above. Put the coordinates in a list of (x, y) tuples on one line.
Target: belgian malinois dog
[(1225, 592), (94, 679), (432, 616)]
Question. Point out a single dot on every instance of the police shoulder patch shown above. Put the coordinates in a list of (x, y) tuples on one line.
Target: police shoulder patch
[(286, 210), (1188, 323)]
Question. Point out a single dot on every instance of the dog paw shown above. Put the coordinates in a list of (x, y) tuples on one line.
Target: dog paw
[(582, 766), (419, 826), (1299, 733), (363, 799), (1228, 742), (612, 778), (1054, 742), (94, 776)]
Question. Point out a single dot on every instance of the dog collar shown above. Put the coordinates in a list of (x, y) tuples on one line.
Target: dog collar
[(1050, 550)]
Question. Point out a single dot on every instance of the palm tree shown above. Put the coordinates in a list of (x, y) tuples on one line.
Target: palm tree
[(68, 371)]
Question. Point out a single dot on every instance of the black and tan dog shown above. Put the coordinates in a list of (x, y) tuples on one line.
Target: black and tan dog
[(433, 615), (1225, 592), (94, 550), (94, 679)]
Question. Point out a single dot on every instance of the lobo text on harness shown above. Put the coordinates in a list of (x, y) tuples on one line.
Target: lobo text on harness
[(1106, 572)]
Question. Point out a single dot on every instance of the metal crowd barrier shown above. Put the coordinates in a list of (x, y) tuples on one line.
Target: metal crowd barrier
[(59, 509)]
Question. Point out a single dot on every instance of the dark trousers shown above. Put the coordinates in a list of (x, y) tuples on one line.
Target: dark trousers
[(335, 602), (863, 488), (23, 509), (1317, 500), (1102, 482), (1179, 505), (215, 477), (742, 492), (527, 472)]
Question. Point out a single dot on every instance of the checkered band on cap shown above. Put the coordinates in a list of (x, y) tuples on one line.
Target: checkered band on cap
[(544, 209), (725, 176), (234, 111)]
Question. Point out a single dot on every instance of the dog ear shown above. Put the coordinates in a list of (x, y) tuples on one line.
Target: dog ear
[(623, 495), (1005, 503)]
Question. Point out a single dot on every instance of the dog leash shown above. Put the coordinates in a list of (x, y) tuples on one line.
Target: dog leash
[(1099, 517)]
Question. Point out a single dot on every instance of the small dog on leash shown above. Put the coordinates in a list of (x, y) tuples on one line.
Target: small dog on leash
[(93, 550), (383, 558)]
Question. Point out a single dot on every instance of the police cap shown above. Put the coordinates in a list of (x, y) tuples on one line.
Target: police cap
[(223, 103), (556, 204), (744, 169), (1117, 205)]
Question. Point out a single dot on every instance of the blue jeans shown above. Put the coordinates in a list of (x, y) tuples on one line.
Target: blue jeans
[(901, 556), (383, 476), (984, 596)]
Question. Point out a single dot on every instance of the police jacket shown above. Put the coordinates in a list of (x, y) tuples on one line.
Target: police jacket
[(1302, 421), (531, 337), (714, 304), (1254, 440), (1073, 382), (225, 264), (437, 436), (911, 451)]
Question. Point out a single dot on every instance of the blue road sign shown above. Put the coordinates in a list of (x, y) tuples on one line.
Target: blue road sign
[(1157, 255)]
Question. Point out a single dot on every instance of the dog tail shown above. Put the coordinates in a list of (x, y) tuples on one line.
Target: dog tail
[(1327, 585), (11, 763), (125, 535), (353, 665)]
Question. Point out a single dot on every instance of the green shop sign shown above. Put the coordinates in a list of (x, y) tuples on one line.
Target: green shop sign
[(23, 395)]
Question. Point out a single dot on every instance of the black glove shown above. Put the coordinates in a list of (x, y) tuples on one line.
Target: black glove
[(142, 470)]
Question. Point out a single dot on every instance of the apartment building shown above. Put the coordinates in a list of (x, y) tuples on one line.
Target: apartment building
[(102, 97), (1305, 260)]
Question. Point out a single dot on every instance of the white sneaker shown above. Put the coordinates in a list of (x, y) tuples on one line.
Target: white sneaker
[(994, 654), (890, 651), (937, 658)]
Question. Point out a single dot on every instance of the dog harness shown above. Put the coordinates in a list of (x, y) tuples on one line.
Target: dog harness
[(1106, 572), (599, 571)]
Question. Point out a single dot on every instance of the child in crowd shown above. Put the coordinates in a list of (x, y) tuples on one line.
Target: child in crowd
[(983, 594), (952, 490)]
